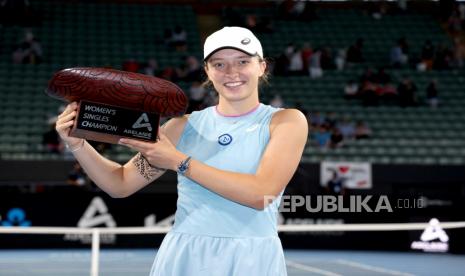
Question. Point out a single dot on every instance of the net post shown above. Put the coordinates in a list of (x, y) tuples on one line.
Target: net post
[(94, 264)]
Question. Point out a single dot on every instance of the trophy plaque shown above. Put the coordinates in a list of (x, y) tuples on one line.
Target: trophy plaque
[(115, 104)]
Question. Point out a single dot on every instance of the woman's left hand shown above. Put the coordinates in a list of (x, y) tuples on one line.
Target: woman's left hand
[(162, 154)]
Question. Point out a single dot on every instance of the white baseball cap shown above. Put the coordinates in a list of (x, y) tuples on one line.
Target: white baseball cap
[(238, 38)]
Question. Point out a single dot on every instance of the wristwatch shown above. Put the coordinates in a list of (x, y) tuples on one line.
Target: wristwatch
[(184, 165)]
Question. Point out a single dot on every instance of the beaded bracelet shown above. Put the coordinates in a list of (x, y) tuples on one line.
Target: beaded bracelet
[(76, 148)]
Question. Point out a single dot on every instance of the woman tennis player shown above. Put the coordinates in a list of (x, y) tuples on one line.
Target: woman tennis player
[(229, 158)]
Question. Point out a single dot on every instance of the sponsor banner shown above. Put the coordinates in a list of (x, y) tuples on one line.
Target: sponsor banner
[(433, 239), (349, 175), (72, 207)]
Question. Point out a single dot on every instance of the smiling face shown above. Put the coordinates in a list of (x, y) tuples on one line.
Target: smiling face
[(235, 74)]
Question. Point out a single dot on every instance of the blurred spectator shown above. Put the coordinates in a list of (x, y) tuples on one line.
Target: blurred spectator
[(255, 23), (461, 10), (191, 70), (355, 52), (454, 23), (397, 56), (211, 98), (265, 25), (168, 37), (296, 66), (326, 59), (362, 131), (382, 77), (443, 58), (51, 141), (151, 68), (298, 9), (328, 132), (131, 65), (331, 119), (402, 6), (335, 185), (432, 94), (427, 56), (404, 46), (179, 39), (290, 9), (407, 93), (379, 9), (306, 53), (351, 90), (368, 94), (376, 86), (336, 139), (385, 88), (321, 136), (168, 73), (317, 119), (290, 49), (346, 127), (77, 177), (277, 101), (315, 65), (29, 51), (340, 59), (283, 61), (251, 22), (368, 88), (368, 75), (197, 94), (176, 38), (281, 65)]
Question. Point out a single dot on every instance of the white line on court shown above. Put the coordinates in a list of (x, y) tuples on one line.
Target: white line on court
[(373, 268), (311, 269), (25, 261)]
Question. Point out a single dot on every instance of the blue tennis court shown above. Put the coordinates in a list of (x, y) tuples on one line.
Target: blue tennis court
[(299, 262)]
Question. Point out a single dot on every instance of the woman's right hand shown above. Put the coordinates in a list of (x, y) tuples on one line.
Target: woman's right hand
[(65, 122)]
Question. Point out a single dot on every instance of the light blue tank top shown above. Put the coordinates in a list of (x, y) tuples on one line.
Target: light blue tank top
[(228, 143)]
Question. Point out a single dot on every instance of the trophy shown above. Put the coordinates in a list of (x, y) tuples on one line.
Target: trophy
[(113, 104)]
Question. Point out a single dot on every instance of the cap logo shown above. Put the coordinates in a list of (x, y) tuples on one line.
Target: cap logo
[(245, 41)]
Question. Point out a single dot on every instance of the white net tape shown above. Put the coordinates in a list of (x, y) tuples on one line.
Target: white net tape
[(96, 232)]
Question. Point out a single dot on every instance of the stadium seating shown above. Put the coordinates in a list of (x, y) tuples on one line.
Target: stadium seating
[(74, 35), (96, 35)]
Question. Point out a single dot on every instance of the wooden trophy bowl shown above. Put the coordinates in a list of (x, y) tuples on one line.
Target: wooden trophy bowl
[(115, 104), (119, 88)]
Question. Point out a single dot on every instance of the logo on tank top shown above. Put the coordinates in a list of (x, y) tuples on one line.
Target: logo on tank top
[(225, 139)]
